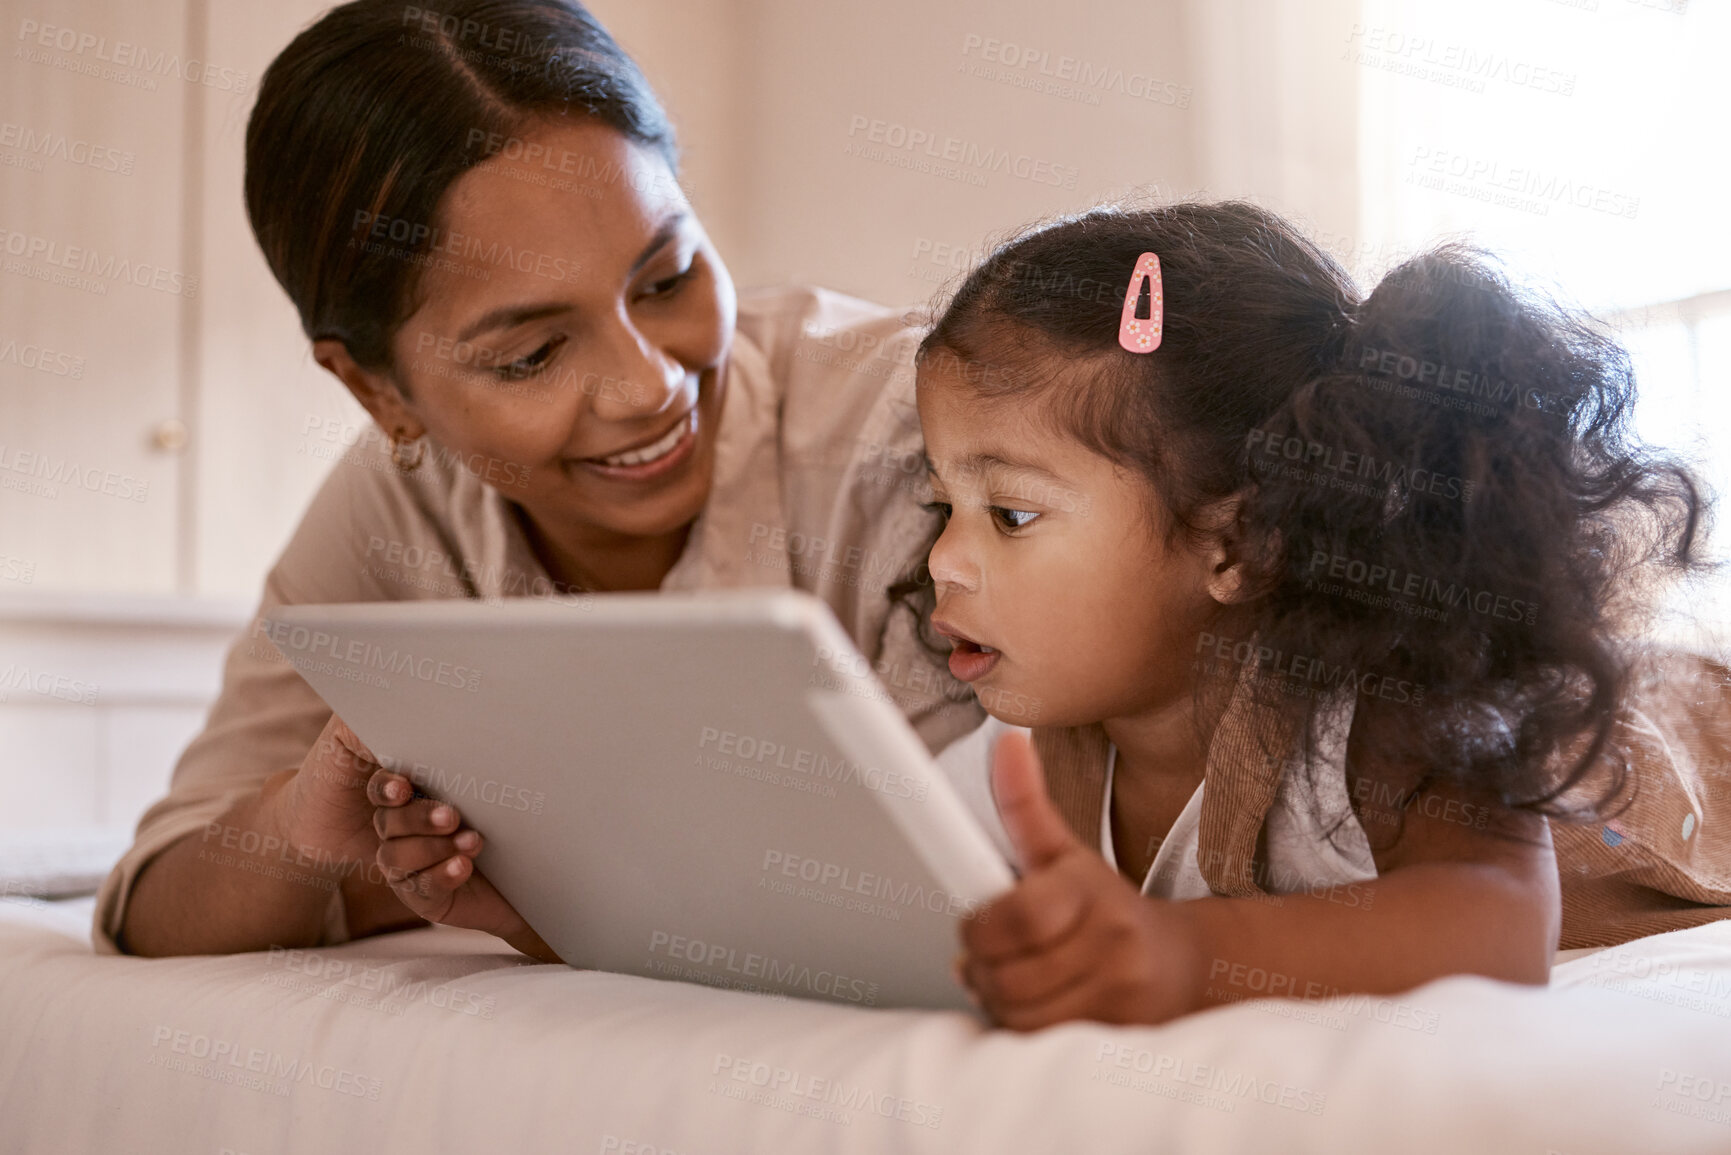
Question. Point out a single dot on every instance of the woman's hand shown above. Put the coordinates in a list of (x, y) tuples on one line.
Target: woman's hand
[(1073, 939), (321, 808), (284, 851), (428, 858)]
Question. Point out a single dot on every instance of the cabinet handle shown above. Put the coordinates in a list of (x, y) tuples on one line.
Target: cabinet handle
[(170, 436)]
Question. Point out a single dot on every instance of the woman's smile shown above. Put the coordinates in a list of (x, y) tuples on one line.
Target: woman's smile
[(647, 462)]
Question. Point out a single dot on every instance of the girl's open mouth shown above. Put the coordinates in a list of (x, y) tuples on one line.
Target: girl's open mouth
[(969, 660)]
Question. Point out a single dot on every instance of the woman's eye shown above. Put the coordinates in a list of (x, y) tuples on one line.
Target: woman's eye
[(1012, 518), (670, 285), (941, 508), (531, 364)]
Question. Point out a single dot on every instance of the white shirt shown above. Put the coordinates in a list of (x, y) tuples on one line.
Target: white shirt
[(1307, 807)]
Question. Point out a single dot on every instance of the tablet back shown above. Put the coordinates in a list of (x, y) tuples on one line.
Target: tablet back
[(709, 787)]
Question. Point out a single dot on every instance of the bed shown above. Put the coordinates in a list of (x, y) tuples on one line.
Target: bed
[(442, 1040)]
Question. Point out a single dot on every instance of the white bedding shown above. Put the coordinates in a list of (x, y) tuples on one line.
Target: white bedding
[(439, 1041)]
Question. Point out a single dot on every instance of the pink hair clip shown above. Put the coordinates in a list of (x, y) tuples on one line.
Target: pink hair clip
[(1144, 308)]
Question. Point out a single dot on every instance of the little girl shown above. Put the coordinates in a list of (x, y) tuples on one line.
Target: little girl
[(1313, 605)]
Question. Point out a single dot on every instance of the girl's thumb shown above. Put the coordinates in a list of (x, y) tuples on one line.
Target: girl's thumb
[(1037, 830)]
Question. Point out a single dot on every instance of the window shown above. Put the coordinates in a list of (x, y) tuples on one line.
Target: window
[(1584, 141)]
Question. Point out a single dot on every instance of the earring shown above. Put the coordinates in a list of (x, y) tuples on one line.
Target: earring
[(400, 441)]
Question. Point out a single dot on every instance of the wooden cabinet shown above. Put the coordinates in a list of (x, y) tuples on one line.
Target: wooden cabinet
[(154, 384), (95, 282), (154, 390)]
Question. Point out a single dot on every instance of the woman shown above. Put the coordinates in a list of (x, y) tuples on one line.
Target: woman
[(477, 215)]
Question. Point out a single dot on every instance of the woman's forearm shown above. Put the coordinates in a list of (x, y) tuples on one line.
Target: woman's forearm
[(1383, 936), (220, 890)]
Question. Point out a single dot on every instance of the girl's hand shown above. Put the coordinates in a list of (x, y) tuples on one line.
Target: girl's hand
[(428, 858), (1073, 939)]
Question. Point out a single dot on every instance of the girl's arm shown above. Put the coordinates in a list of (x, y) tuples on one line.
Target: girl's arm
[(1465, 889), (1074, 940)]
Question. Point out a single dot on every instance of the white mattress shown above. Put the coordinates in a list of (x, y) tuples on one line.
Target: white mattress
[(439, 1041), (59, 862)]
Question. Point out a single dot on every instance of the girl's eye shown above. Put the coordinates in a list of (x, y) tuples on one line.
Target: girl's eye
[(532, 364), (1012, 519), (941, 508)]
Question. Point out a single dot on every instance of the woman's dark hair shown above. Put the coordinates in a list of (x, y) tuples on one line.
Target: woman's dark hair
[(1443, 504), (368, 117)]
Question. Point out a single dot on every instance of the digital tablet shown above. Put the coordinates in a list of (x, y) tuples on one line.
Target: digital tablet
[(710, 787)]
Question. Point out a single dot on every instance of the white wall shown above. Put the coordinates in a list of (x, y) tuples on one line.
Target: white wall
[(97, 699), (1178, 98), (257, 389)]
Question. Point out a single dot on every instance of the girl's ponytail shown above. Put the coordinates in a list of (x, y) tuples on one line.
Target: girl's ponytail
[(1467, 502)]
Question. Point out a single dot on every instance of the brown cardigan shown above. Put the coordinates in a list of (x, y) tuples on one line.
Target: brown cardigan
[(1664, 863)]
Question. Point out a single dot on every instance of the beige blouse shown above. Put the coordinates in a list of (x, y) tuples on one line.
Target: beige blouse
[(818, 478)]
